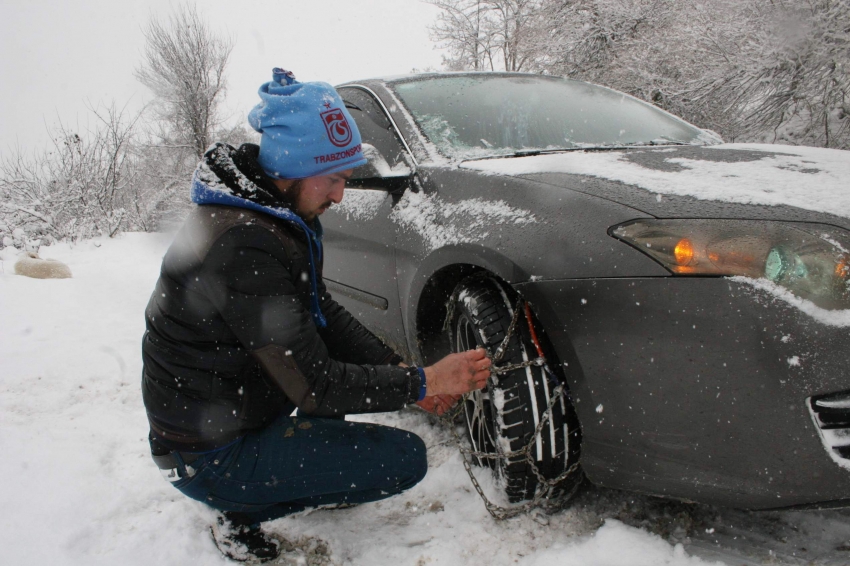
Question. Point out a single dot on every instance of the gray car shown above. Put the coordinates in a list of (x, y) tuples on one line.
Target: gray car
[(679, 307)]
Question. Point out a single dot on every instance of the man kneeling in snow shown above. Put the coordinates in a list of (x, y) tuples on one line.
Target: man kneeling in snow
[(241, 331)]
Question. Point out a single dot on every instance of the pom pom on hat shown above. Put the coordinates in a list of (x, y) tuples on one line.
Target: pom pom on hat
[(306, 129)]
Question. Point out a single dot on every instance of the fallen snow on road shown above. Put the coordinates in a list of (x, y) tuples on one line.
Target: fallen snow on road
[(810, 178), (79, 486)]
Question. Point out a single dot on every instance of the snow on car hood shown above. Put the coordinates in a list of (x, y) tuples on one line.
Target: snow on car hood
[(809, 178)]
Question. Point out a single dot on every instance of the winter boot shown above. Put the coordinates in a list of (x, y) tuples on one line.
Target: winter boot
[(243, 543)]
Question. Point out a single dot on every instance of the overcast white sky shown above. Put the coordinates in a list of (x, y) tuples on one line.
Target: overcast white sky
[(57, 55)]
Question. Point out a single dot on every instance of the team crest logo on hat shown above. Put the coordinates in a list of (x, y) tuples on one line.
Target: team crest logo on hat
[(339, 132)]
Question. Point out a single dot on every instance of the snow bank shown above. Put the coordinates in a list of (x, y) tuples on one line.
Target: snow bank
[(615, 544), (79, 486), (806, 177)]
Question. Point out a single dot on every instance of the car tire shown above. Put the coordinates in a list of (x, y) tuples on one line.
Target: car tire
[(503, 417)]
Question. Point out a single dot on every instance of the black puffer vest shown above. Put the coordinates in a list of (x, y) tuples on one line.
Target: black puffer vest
[(230, 341)]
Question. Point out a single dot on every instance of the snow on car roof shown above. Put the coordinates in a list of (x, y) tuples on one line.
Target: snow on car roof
[(809, 178)]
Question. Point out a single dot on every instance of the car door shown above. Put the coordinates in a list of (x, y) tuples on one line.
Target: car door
[(360, 267)]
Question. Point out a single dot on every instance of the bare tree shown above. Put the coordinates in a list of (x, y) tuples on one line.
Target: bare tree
[(105, 179), (458, 29), (184, 64), (486, 34)]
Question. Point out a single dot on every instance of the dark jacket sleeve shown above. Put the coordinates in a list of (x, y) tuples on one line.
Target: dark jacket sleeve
[(348, 340), (246, 274)]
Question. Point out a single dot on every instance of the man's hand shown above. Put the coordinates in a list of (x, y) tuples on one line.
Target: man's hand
[(457, 374), (438, 404)]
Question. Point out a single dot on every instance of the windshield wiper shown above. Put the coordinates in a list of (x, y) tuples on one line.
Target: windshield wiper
[(662, 141), (526, 153), (532, 152)]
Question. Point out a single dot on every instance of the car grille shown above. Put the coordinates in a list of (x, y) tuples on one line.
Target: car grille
[(831, 414)]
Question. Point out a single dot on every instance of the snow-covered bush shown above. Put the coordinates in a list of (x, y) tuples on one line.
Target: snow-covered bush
[(87, 184), (126, 172), (74, 189)]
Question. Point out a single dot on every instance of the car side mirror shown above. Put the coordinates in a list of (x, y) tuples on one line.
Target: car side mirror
[(377, 173), (393, 185)]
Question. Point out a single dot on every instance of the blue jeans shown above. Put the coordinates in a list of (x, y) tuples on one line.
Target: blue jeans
[(299, 462)]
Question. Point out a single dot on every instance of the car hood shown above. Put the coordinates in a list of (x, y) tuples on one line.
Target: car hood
[(755, 181)]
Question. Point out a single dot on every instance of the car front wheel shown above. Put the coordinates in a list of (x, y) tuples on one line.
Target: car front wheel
[(503, 417)]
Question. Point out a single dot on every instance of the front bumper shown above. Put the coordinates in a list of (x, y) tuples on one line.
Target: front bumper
[(697, 388)]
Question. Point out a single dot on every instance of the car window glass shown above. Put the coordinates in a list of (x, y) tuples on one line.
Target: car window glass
[(474, 116), (380, 143)]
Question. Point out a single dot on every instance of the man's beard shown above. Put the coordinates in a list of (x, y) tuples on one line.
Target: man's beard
[(289, 196)]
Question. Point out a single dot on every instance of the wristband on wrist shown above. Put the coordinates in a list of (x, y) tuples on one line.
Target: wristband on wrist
[(422, 383)]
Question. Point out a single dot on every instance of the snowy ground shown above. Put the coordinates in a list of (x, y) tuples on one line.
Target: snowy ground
[(77, 485)]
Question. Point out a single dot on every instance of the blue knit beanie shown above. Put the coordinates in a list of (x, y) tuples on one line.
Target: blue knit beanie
[(307, 130)]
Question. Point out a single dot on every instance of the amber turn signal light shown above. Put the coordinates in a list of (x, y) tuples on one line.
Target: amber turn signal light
[(684, 252)]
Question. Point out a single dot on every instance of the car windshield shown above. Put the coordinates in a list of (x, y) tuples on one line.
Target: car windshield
[(475, 116)]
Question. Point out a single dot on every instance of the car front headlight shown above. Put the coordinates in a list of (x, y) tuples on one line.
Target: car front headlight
[(810, 260)]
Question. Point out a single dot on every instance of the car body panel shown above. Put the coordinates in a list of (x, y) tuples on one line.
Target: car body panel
[(552, 244), (361, 255), (687, 387), (673, 397)]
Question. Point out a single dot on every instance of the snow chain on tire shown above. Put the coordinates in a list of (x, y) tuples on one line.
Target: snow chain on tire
[(549, 493)]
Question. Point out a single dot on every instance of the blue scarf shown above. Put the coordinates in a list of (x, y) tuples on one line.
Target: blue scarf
[(202, 194)]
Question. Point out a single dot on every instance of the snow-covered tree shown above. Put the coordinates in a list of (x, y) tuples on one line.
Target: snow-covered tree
[(586, 37), (184, 65), (750, 69), (790, 79)]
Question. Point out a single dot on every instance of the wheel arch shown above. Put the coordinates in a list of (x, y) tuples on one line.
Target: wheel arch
[(530, 394), (429, 313), (432, 285), (436, 279)]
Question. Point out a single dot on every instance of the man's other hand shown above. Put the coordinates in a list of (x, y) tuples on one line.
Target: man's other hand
[(459, 373), (438, 404)]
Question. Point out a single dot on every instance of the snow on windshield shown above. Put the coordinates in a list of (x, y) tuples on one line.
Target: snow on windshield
[(442, 223), (810, 178), (426, 145), (470, 116)]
